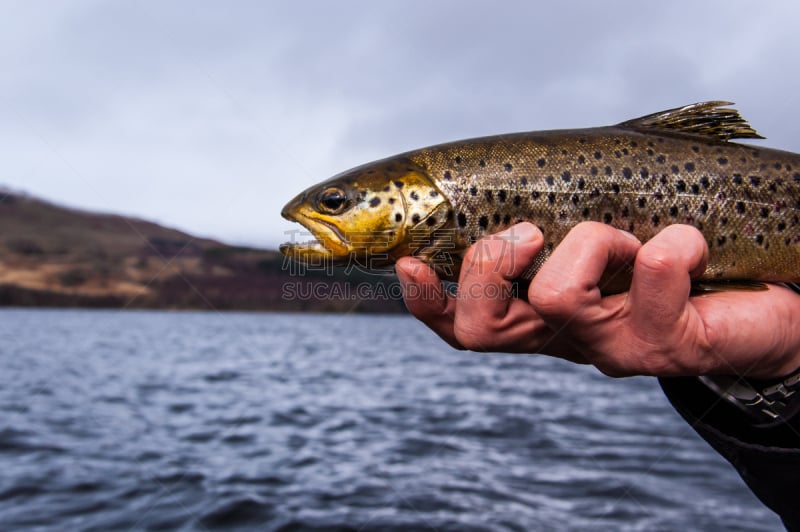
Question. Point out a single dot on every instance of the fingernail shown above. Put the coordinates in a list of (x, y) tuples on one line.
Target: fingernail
[(520, 233)]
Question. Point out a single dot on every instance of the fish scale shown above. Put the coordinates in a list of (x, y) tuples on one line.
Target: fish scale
[(673, 167)]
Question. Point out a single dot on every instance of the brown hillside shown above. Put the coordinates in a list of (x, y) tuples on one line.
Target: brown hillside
[(55, 256)]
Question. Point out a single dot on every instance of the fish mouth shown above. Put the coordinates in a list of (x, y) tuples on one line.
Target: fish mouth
[(327, 243)]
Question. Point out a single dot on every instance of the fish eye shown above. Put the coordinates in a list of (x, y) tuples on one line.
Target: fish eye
[(332, 200)]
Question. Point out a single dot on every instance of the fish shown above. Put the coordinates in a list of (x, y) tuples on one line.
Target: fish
[(677, 166)]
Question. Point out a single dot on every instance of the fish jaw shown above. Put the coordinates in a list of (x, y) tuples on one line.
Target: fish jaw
[(327, 245)]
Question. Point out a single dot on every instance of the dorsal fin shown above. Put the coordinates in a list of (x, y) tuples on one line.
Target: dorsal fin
[(707, 119)]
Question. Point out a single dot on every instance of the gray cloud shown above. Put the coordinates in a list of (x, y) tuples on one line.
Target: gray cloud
[(209, 116)]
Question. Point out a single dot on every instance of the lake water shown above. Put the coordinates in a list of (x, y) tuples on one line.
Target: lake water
[(156, 420)]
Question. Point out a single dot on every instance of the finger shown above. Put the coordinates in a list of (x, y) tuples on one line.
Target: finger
[(566, 287), (488, 317), (662, 277), (426, 298)]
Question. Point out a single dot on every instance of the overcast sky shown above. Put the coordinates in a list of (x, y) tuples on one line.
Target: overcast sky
[(209, 116)]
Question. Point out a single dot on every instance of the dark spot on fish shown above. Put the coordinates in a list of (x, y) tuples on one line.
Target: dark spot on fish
[(680, 185), (549, 180), (655, 219), (675, 169), (508, 167), (433, 193), (585, 212), (431, 221), (507, 219), (723, 221), (627, 173), (387, 188), (704, 182), (541, 163), (661, 159), (721, 240), (391, 201), (773, 187), (581, 183), (737, 179), (581, 159), (374, 202), (650, 152), (733, 236), (695, 149), (759, 239), (740, 207), (551, 198), (535, 194), (523, 181), (781, 226), (663, 179), (777, 166), (462, 219), (658, 195), (458, 159), (634, 144), (615, 188), (501, 195), (607, 218), (607, 170), (414, 195), (617, 154), (566, 176), (415, 218), (449, 214), (644, 173), (488, 195), (593, 170), (695, 188), (448, 175), (473, 191), (483, 221), (625, 212), (756, 153), (641, 202), (625, 151), (755, 180), (594, 193), (482, 163), (496, 218), (764, 212), (704, 207), (796, 177), (398, 217), (722, 161), (398, 184), (598, 155), (517, 200), (575, 199), (689, 167), (673, 211)]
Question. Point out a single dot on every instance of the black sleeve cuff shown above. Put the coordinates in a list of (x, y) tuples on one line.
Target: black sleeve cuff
[(767, 458)]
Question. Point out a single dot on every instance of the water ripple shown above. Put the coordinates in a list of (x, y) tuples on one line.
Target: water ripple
[(147, 420)]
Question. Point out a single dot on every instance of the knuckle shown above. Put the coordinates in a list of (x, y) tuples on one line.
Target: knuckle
[(557, 300)]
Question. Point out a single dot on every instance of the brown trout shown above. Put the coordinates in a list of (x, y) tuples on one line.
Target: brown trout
[(673, 167)]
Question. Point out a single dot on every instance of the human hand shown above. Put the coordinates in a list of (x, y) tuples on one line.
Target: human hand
[(656, 328)]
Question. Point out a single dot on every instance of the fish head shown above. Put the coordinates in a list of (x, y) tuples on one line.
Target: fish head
[(371, 212)]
